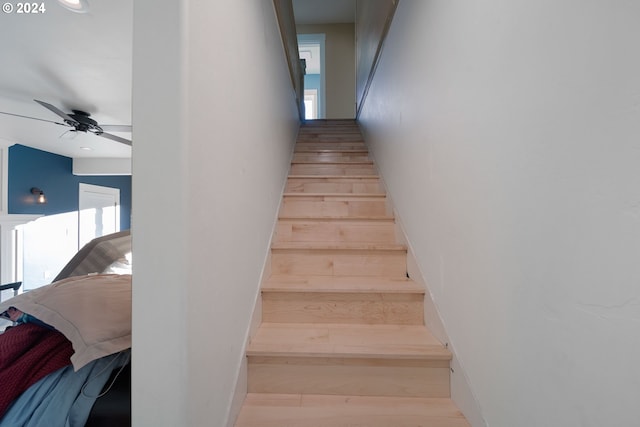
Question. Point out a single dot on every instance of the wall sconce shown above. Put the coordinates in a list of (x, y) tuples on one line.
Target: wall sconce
[(38, 192)]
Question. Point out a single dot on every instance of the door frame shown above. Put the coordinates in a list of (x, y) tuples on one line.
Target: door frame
[(83, 190), (317, 39)]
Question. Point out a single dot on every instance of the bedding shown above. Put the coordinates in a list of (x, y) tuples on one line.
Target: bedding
[(64, 397), (28, 353), (74, 335), (93, 312)]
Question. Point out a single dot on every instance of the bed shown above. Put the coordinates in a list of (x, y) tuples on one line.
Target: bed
[(66, 362)]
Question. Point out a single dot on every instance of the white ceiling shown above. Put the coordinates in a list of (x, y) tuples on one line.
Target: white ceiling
[(320, 12), (324, 11), (83, 62), (72, 61)]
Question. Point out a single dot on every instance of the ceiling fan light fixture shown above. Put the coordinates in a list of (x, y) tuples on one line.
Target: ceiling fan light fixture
[(78, 6)]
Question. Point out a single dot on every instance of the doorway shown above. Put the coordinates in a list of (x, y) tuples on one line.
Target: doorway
[(311, 49), (99, 212)]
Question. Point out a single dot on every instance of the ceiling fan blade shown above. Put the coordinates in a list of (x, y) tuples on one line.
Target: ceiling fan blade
[(116, 128), (59, 112), (33, 118), (115, 138), (69, 134)]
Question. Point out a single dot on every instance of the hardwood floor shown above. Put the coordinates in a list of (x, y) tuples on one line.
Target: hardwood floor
[(342, 341)]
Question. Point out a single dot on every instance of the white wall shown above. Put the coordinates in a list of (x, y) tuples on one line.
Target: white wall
[(215, 120), (508, 133)]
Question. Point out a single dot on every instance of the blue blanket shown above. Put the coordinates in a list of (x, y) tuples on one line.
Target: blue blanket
[(63, 398)]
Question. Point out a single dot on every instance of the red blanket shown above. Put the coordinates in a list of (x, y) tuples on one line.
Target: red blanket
[(28, 353)]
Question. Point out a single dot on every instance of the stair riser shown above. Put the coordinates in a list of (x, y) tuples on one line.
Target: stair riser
[(372, 232), (363, 186), (329, 157), (330, 130), (336, 135), (338, 376), (332, 209), (330, 134), (330, 123), (333, 169), (339, 263), (323, 145), (279, 410), (354, 308)]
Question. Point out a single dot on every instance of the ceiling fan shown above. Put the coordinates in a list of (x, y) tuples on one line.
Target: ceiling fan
[(81, 121)]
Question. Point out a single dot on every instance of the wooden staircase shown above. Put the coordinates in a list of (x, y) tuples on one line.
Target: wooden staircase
[(342, 341)]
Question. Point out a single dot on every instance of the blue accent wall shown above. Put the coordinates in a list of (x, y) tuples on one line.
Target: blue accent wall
[(52, 173), (312, 81)]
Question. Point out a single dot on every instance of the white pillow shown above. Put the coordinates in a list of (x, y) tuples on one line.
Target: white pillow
[(93, 312)]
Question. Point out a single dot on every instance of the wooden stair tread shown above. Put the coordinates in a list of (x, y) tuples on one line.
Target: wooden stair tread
[(315, 146), (337, 340), (331, 138), (330, 151), (346, 220), (326, 127), (336, 218), (342, 246), (335, 195), (336, 135), (313, 136), (331, 143), (341, 177), (329, 158), (340, 284), (334, 184), (332, 162), (330, 126), (341, 170), (330, 130), (321, 127), (333, 151), (307, 410)]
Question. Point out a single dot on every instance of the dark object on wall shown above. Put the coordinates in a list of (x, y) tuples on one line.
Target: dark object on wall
[(38, 192)]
